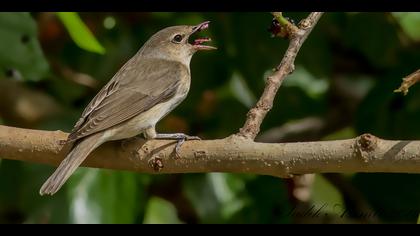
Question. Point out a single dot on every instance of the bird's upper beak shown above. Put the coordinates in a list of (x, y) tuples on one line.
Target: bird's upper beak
[(198, 42)]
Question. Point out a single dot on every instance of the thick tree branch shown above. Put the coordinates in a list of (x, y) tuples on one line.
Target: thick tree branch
[(297, 36), (234, 154)]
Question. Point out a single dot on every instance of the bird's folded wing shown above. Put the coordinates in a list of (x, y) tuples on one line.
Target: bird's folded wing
[(134, 89)]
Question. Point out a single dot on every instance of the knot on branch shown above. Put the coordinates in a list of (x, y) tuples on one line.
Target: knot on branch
[(304, 24), (365, 144), (263, 105), (285, 69), (271, 81), (291, 68), (200, 154), (144, 151), (252, 114), (156, 163)]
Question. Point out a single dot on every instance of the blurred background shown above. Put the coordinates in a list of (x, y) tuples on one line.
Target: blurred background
[(52, 65)]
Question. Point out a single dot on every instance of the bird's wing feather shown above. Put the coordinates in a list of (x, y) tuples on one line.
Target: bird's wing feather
[(107, 90), (134, 89)]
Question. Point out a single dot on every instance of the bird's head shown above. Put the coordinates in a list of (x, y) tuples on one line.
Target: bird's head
[(176, 43)]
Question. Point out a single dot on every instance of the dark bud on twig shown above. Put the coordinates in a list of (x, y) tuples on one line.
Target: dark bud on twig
[(274, 28), (278, 30)]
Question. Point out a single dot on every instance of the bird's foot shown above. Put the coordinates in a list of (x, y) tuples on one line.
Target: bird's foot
[(180, 137), (181, 141)]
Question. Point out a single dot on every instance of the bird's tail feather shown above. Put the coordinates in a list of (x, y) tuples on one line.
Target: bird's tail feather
[(66, 168)]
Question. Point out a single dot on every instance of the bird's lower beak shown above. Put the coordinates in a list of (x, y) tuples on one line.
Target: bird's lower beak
[(198, 42)]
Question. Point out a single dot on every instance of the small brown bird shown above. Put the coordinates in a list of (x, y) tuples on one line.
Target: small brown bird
[(150, 85)]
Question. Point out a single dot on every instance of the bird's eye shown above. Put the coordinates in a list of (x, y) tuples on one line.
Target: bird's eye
[(177, 38)]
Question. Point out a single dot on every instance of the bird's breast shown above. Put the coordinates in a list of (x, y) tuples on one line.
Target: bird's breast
[(179, 96)]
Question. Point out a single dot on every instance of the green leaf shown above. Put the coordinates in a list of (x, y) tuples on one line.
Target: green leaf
[(80, 33), (214, 195), (326, 197), (418, 219), (265, 201), (102, 196), (21, 55), (160, 211), (301, 78), (410, 23), (241, 91), (345, 133), (202, 194)]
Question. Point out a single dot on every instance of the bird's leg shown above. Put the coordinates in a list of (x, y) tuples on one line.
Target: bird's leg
[(180, 137)]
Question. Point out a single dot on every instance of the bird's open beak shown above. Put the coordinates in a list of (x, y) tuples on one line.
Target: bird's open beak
[(198, 42)]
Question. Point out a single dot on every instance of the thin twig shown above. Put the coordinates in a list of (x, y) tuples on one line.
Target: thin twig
[(279, 17), (408, 81), (297, 36)]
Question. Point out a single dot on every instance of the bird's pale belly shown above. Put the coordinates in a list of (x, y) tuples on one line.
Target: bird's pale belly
[(143, 121)]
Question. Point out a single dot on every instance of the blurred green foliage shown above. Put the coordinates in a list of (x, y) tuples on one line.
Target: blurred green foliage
[(351, 63), (409, 22), (80, 33), (160, 211), (20, 53)]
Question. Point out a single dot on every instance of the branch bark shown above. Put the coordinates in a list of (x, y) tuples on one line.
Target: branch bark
[(234, 154), (408, 81), (297, 37)]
